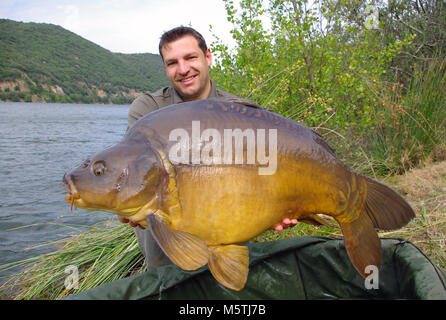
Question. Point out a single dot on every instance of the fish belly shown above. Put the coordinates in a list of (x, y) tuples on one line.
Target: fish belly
[(232, 204)]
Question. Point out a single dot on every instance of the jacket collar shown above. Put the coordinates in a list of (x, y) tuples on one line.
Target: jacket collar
[(176, 98)]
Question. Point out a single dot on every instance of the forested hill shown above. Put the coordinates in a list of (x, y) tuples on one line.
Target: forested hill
[(45, 62)]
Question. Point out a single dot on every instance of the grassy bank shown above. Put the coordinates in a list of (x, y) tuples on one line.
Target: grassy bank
[(105, 252)]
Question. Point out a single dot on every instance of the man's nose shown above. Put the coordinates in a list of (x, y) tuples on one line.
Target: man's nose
[(183, 67)]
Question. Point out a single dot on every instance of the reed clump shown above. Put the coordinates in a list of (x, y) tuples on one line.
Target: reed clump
[(104, 253)]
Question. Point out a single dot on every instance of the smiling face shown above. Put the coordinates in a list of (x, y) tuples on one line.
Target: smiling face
[(187, 67)]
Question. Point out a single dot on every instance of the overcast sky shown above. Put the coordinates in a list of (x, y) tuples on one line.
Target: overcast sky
[(126, 26)]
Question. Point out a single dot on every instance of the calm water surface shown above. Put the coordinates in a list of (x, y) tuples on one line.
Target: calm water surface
[(38, 143)]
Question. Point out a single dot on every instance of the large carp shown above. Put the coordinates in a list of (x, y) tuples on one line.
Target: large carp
[(200, 199)]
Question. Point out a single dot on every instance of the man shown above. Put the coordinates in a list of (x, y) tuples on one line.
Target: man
[(186, 60)]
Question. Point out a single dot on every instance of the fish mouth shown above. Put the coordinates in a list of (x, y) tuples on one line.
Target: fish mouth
[(73, 195)]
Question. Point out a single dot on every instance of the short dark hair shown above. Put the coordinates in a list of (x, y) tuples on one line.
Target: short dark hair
[(179, 32)]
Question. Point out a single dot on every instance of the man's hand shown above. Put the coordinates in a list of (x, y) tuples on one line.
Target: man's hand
[(286, 223), (133, 224)]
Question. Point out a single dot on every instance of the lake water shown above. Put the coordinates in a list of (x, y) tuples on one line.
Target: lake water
[(38, 143)]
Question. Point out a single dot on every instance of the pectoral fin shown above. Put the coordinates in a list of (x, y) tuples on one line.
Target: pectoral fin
[(229, 265), (186, 250)]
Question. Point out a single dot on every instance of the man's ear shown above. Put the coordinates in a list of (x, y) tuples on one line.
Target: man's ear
[(209, 57)]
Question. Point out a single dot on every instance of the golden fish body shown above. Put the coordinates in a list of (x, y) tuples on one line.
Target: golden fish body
[(198, 211), (237, 204)]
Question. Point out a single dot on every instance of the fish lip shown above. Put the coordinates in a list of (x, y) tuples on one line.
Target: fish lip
[(70, 187)]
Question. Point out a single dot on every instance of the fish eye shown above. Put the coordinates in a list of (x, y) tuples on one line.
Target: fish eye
[(98, 168)]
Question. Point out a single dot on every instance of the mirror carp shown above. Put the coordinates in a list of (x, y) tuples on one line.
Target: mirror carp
[(207, 175)]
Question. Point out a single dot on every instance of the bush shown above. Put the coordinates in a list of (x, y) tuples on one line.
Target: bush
[(412, 122)]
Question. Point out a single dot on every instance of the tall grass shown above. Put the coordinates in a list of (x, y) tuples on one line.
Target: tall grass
[(103, 253), (411, 122)]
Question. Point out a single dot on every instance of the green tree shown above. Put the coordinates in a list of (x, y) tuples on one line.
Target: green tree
[(312, 63), (335, 64)]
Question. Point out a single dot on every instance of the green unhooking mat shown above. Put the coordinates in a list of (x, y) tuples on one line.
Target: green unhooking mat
[(299, 268)]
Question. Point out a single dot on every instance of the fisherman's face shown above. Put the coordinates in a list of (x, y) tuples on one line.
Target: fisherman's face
[(187, 67)]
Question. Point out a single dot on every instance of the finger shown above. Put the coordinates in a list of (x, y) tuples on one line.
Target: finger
[(123, 220), (133, 224)]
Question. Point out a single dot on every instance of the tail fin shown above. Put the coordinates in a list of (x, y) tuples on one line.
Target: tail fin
[(362, 243), (386, 209)]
